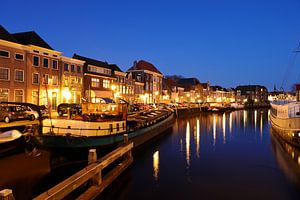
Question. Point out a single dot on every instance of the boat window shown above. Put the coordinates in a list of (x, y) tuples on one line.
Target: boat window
[(118, 127)]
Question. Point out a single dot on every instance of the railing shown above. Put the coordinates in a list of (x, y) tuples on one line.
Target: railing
[(92, 131), (92, 174)]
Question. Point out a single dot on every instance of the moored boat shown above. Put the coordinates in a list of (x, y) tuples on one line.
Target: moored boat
[(9, 141), (285, 120), (62, 134)]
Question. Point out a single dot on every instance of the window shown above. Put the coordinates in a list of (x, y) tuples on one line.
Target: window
[(66, 67), (45, 62), (35, 78), (99, 70), (95, 82), (54, 80), (36, 61), (106, 83), (19, 75), (4, 54), (54, 64), (66, 81), (19, 95), (19, 56), (35, 97), (46, 79), (4, 94), (72, 68), (4, 74), (78, 69)]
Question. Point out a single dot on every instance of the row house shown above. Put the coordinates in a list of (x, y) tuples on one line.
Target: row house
[(192, 88), (12, 68), (123, 87), (71, 80), (98, 78), (251, 93), (145, 72), (219, 94), (29, 69)]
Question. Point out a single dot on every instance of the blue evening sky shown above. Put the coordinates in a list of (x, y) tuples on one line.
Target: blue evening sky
[(226, 42)]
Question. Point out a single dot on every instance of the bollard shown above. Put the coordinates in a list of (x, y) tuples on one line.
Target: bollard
[(6, 194), (126, 138), (97, 179), (126, 141), (92, 156)]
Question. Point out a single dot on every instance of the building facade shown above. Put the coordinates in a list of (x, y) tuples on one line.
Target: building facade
[(146, 73)]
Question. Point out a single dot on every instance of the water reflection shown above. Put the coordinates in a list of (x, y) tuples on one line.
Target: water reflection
[(155, 165), (224, 128), (187, 144), (255, 120), (288, 158), (198, 139), (245, 118), (230, 123), (214, 130)]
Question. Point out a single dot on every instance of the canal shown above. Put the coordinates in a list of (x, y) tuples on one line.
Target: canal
[(206, 156)]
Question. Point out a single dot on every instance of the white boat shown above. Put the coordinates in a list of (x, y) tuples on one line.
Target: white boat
[(10, 141), (285, 120)]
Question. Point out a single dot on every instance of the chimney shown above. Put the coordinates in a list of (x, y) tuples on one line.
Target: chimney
[(298, 92)]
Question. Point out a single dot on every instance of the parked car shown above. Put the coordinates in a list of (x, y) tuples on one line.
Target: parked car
[(13, 112), (74, 109)]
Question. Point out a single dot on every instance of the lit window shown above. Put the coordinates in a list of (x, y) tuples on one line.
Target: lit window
[(4, 94), (106, 83), (19, 95), (54, 80), (95, 82), (19, 75)]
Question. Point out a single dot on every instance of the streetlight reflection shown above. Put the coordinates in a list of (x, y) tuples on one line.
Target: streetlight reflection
[(187, 144), (155, 165), (230, 123), (214, 130), (255, 120), (224, 128), (198, 139)]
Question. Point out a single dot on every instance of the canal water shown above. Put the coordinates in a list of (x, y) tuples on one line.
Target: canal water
[(213, 156), (206, 156)]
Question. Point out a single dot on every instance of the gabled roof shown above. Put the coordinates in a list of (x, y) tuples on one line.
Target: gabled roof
[(188, 81), (32, 38), (144, 65), (91, 61), (5, 35), (115, 67)]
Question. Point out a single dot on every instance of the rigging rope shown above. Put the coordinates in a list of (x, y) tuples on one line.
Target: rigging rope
[(290, 67)]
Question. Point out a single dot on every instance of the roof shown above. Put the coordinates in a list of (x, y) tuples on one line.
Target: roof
[(188, 81), (115, 67), (32, 38), (5, 35), (144, 65), (91, 61)]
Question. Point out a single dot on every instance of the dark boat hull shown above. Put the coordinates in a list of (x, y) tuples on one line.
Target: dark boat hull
[(54, 142), (11, 146)]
